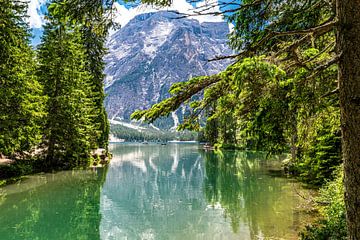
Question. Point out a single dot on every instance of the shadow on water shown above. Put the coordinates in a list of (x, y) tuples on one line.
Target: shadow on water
[(63, 205)]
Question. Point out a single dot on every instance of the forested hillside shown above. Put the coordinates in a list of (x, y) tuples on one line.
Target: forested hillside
[(150, 134)]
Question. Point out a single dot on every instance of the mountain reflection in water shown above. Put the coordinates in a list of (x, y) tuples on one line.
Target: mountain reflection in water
[(156, 192), (181, 192)]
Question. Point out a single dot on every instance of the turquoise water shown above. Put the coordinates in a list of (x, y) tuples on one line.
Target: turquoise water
[(150, 191)]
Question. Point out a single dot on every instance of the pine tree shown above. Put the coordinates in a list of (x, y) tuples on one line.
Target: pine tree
[(69, 130), (21, 101), (94, 19), (94, 35)]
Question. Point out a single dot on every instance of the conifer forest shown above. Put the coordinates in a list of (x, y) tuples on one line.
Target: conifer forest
[(265, 148)]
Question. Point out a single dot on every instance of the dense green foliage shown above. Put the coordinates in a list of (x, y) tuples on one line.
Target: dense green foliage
[(51, 109), (19, 168), (320, 151), (94, 31), (68, 133), (22, 103), (332, 208)]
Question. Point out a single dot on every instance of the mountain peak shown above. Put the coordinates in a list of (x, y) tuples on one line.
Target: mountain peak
[(160, 14), (155, 50)]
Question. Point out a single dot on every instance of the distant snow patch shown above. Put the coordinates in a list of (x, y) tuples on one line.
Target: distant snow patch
[(108, 81), (157, 37), (176, 120), (128, 125), (153, 126)]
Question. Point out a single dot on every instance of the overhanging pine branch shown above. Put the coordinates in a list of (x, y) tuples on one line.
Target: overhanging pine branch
[(309, 33), (165, 107), (327, 26)]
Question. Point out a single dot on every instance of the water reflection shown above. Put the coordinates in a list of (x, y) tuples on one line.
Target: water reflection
[(241, 184), (64, 205), (155, 192), (179, 192)]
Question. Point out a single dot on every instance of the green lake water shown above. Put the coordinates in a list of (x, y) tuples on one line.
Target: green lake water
[(177, 191)]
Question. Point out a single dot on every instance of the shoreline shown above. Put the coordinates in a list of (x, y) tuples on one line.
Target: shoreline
[(12, 171)]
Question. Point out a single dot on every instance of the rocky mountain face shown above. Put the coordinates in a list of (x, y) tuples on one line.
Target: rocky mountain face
[(152, 52)]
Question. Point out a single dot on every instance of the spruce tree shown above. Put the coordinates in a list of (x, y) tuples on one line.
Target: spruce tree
[(69, 130), (94, 19), (94, 35), (21, 101)]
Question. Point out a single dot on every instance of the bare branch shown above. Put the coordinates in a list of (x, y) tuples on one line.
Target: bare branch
[(309, 33), (328, 48), (328, 25), (201, 11), (323, 67), (217, 58), (335, 91)]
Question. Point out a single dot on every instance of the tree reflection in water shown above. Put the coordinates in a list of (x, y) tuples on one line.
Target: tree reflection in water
[(241, 184), (62, 205), (155, 192)]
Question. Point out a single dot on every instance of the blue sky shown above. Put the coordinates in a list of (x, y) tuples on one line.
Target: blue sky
[(125, 12)]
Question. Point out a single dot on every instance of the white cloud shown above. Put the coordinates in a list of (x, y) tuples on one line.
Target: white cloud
[(208, 6), (36, 18), (123, 15)]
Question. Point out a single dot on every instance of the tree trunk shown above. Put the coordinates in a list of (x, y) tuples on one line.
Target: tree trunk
[(294, 148), (348, 39)]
